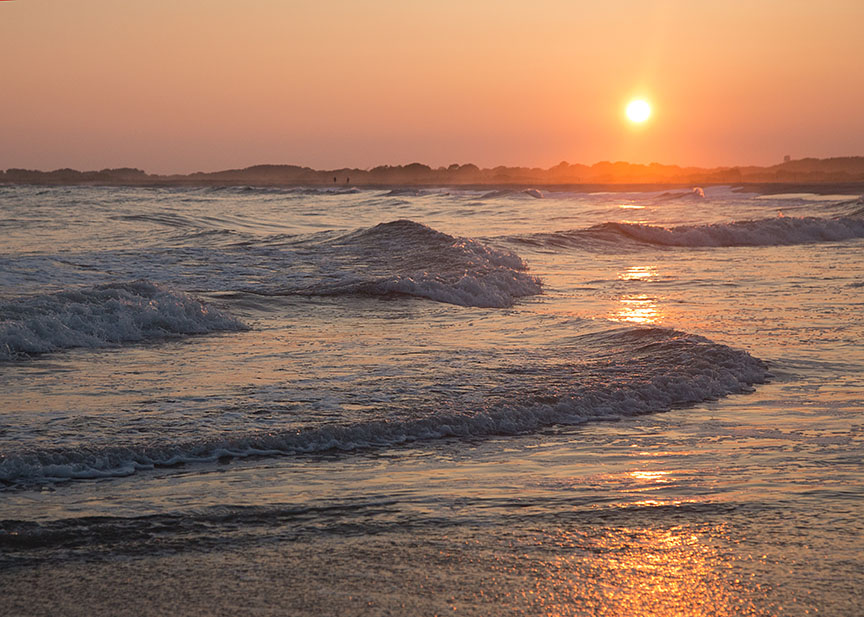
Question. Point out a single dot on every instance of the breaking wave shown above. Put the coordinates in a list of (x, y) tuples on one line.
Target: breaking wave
[(636, 371), (519, 193), (103, 316), (776, 231), (763, 232), (409, 258)]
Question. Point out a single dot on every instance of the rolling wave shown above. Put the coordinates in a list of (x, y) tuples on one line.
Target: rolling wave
[(406, 192), (777, 231), (763, 232), (633, 371), (408, 258), (513, 193), (282, 190), (103, 316)]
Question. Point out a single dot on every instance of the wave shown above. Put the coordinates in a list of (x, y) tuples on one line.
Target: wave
[(858, 211), (847, 208), (103, 316), (168, 219), (209, 525), (335, 190), (534, 193), (696, 193), (777, 231), (762, 232), (407, 258), (636, 371), (405, 192), (276, 189)]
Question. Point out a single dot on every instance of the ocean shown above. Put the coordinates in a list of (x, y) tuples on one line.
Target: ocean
[(335, 401)]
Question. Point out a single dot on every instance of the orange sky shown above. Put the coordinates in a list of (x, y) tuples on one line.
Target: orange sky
[(185, 85)]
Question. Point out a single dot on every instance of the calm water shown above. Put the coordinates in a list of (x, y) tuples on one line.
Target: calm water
[(421, 402)]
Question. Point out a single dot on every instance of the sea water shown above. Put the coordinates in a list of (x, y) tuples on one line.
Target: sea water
[(431, 400)]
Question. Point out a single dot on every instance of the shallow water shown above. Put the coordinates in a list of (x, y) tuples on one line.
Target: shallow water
[(628, 403)]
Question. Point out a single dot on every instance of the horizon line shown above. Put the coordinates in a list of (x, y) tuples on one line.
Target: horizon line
[(451, 166)]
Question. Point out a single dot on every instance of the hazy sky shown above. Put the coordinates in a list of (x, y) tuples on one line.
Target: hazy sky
[(185, 85)]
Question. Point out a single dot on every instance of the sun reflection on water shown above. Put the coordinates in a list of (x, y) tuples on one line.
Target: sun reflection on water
[(637, 308), (640, 309), (645, 570), (651, 476), (638, 273)]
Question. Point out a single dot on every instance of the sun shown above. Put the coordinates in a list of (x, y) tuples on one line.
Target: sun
[(638, 110)]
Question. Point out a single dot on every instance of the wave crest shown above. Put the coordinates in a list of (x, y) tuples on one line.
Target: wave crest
[(777, 231), (405, 257), (762, 232)]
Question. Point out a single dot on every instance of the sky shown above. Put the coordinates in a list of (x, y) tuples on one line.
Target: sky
[(188, 85)]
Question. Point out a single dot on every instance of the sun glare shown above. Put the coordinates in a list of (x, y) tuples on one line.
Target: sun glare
[(638, 110)]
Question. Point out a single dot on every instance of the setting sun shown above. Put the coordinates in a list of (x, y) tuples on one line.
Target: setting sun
[(638, 111)]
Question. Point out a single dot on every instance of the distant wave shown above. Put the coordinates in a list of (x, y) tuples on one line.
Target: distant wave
[(409, 258), (497, 194), (335, 190), (405, 192), (859, 211), (103, 316), (762, 232), (695, 193), (636, 371), (850, 207), (284, 190)]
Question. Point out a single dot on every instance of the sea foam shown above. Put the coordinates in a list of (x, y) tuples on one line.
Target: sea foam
[(763, 232), (103, 316), (775, 231)]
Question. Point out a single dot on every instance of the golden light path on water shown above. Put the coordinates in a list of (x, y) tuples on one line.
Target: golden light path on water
[(638, 557), (638, 273), (646, 571), (637, 308)]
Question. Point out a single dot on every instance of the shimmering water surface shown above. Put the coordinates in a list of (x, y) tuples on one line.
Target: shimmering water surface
[(428, 401)]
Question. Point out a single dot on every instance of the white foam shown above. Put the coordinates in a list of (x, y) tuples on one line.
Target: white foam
[(762, 232), (103, 316)]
